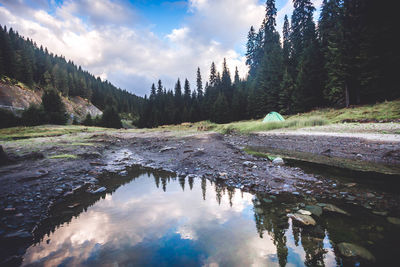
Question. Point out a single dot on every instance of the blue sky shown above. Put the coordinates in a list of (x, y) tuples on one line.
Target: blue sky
[(134, 43)]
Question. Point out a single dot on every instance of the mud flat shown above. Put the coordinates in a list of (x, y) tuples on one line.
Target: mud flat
[(44, 174)]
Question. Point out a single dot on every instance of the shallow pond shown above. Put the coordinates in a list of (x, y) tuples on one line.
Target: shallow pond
[(156, 219)]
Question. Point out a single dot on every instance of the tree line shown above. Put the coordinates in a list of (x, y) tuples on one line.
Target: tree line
[(348, 58), (21, 59)]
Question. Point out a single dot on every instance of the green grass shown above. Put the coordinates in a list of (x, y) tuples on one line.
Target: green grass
[(385, 111), (245, 127), (63, 156), (43, 131), (81, 144), (258, 154)]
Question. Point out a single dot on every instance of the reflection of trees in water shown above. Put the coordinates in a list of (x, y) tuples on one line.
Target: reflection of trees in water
[(204, 187), (312, 241), (270, 218), (218, 192), (182, 182), (231, 193), (191, 180)]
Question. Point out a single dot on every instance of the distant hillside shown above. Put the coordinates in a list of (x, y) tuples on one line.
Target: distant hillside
[(23, 60), (17, 98)]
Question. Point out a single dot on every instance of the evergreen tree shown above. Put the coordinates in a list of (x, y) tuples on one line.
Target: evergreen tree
[(286, 92), (213, 75), (286, 51), (251, 51), (220, 110), (159, 88), (53, 107), (88, 120), (199, 84), (110, 118), (269, 76), (236, 79)]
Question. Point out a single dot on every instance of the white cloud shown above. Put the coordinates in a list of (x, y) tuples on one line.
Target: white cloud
[(105, 38)]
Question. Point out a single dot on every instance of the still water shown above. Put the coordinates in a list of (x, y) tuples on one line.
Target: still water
[(159, 220)]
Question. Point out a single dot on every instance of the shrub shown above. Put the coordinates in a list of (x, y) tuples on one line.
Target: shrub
[(8, 119), (111, 119), (88, 120), (34, 115), (54, 107)]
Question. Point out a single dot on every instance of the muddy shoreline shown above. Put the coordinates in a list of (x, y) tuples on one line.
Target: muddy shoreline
[(38, 182)]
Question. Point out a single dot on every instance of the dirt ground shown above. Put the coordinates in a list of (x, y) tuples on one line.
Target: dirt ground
[(44, 172)]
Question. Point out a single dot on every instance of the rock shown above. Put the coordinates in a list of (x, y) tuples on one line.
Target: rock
[(359, 156), (352, 250), (97, 163), (278, 161), (30, 176), (59, 190), (296, 193), (380, 213), (350, 184), (258, 211), (166, 148), (90, 155), (20, 235), (369, 195), (394, 220), (73, 205), (314, 209), (9, 209), (248, 164), (303, 219), (304, 212), (333, 208), (223, 175), (3, 157), (266, 200), (99, 190)]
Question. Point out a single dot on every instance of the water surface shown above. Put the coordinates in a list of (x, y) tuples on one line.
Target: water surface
[(161, 220)]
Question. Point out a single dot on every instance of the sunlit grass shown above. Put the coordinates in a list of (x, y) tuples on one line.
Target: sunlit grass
[(63, 156), (385, 111), (258, 154), (245, 127)]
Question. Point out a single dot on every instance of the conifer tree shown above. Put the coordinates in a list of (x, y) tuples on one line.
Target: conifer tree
[(269, 76), (250, 53), (213, 75), (199, 84), (53, 107)]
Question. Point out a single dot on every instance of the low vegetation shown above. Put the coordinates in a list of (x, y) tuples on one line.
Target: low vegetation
[(258, 126), (63, 156), (43, 131), (385, 111)]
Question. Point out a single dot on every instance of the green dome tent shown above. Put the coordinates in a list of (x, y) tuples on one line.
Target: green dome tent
[(273, 116)]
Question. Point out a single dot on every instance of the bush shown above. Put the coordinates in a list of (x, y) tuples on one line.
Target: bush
[(111, 119), (34, 115), (8, 119), (88, 120), (54, 107)]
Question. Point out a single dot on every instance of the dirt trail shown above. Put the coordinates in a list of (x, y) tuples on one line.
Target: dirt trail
[(34, 183)]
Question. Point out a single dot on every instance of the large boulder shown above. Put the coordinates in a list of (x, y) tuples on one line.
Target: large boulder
[(3, 157), (302, 218), (353, 250), (314, 209), (333, 208)]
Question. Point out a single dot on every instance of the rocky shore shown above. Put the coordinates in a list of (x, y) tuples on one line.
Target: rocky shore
[(40, 175)]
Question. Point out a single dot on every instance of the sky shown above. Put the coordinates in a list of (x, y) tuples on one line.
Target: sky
[(134, 43)]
